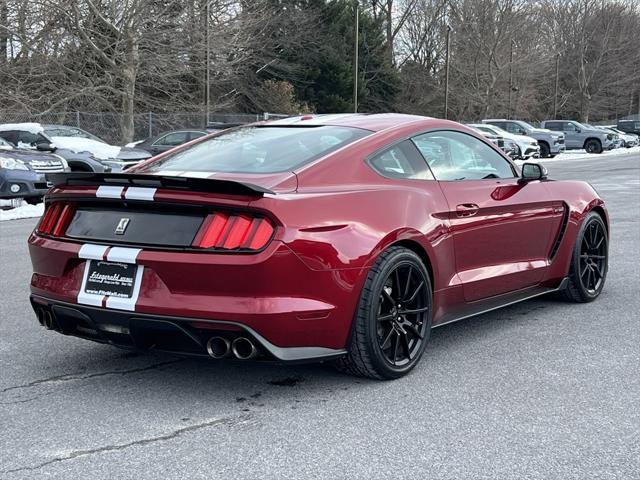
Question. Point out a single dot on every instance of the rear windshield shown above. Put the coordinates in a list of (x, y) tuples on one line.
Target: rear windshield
[(262, 149)]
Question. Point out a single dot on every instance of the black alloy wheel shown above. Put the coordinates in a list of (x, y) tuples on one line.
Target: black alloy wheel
[(402, 307), (393, 320), (593, 257), (589, 264)]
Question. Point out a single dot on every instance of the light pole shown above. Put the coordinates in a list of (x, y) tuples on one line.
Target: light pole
[(446, 73), (208, 68), (555, 94), (510, 78), (355, 60)]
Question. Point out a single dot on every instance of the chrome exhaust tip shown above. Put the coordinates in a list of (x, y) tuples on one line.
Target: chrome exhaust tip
[(243, 348), (218, 347), (40, 315), (48, 320)]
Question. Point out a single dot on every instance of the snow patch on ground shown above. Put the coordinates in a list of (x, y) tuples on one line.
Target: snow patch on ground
[(99, 150), (24, 210), (133, 144)]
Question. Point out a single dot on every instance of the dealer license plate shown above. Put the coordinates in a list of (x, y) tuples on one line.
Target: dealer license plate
[(111, 278)]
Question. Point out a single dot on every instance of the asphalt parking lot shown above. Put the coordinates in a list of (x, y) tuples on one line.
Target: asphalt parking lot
[(543, 389)]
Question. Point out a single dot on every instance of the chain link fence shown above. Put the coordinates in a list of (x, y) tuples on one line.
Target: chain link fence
[(107, 125)]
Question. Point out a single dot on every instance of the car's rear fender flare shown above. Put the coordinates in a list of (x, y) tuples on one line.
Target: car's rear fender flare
[(412, 240)]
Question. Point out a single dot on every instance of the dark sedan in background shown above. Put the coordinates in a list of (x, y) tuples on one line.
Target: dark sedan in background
[(167, 140), (170, 139)]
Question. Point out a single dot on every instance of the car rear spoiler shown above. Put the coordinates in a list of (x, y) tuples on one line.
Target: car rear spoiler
[(209, 185)]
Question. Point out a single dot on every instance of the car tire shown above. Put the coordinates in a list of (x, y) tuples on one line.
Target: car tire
[(545, 151), (593, 146), (389, 338), (589, 261), (518, 153)]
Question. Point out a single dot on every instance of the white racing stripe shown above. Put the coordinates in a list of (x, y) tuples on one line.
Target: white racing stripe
[(107, 191), (139, 193), (128, 303), (89, 251), (88, 298), (123, 255)]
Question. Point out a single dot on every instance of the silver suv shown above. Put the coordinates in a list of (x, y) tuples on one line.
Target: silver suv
[(551, 143), (577, 135)]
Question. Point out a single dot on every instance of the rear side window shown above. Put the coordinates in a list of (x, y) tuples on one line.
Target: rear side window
[(458, 156), (31, 139), (402, 161), (262, 149), (10, 136)]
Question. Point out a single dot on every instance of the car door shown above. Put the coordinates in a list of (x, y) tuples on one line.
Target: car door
[(503, 230), (572, 135), (514, 128)]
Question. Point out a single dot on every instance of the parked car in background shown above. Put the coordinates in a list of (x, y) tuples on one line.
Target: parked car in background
[(497, 140), (551, 143), (507, 146), (579, 136), (618, 142), (629, 139), (22, 172), (526, 147), (629, 126), (168, 140), (83, 151)]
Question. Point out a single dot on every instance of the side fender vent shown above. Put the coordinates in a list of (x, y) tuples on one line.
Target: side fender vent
[(561, 232)]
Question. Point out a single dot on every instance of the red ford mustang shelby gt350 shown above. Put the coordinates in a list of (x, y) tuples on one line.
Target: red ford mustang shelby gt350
[(338, 237)]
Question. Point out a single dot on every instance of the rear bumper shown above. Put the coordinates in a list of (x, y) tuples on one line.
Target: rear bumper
[(184, 336), (272, 295)]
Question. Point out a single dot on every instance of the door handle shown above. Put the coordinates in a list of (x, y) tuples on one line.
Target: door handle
[(467, 209)]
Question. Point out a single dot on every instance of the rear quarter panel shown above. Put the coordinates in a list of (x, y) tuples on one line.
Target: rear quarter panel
[(336, 230)]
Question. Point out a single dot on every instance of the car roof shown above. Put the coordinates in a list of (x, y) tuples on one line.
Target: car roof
[(374, 122)]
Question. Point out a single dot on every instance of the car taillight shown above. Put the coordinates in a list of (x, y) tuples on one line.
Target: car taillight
[(222, 231), (56, 219)]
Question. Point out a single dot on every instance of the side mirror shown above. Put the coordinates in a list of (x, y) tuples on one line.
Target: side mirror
[(533, 171), (45, 147)]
